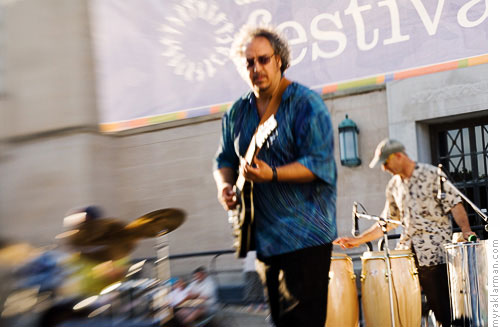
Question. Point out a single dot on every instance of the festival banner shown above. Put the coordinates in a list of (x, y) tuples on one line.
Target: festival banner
[(164, 60)]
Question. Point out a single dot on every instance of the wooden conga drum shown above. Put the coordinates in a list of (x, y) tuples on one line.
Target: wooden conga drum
[(375, 289), (343, 309)]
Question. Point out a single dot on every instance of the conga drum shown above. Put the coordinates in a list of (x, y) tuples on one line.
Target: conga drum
[(467, 265), (342, 304), (375, 289)]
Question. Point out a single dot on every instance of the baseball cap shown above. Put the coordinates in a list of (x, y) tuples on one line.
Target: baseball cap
[(384, 149)]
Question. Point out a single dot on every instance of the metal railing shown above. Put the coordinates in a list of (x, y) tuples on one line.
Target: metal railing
[(217, 253)]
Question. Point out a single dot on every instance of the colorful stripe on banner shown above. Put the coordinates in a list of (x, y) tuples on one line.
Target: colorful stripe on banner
[(330, 88), (153, 120), (381, 79)]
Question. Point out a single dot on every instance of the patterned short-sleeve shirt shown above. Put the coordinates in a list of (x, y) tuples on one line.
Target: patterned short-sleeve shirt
[(425, 219), (288, 216)]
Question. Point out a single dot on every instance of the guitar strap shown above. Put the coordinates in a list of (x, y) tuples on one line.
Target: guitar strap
[(273, 105), (271, 109)]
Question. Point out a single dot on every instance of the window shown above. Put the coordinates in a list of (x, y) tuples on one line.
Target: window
[(462, 148)]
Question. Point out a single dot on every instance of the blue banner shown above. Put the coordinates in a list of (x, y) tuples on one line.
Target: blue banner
[(155, 57)]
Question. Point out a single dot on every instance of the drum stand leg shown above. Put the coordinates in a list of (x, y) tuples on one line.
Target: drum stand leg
[(163, 274), (162, 257), (383, 226)]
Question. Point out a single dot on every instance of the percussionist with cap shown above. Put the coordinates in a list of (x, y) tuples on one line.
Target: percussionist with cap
[(412, 198)]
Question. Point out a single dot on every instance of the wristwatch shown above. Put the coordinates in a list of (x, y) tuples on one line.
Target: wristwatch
[(275, 175)]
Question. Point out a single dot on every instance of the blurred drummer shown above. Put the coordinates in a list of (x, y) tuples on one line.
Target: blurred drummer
[(99, 251), (412, 197)]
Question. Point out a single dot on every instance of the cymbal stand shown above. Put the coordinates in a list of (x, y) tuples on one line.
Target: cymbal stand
[(383, 222), (162, 263), (162, 257), (443, 178)]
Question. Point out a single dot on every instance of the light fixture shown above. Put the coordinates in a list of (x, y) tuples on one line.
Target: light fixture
[(348, 140)]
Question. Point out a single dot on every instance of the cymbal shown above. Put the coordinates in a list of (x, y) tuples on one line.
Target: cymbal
[(112, 251), (106, 239), (156, 222), (101, 239), (101, 231)]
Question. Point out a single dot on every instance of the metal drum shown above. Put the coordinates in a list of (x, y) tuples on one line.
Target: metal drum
[(343, 308), (375, 289), (467, 265)]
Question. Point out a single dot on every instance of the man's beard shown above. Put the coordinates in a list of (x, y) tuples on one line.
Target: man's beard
[(256, 86)]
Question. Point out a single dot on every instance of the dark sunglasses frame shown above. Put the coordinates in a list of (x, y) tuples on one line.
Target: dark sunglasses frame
[(262, 60), (386, 160)]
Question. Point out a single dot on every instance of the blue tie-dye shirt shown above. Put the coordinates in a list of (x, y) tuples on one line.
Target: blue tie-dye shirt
[(288, 216)]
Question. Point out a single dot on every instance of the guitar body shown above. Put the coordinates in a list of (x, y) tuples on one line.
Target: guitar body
[(243, 221)]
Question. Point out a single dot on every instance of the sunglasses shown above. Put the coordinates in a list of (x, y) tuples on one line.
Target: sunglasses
[(387, 160), (262, 60)]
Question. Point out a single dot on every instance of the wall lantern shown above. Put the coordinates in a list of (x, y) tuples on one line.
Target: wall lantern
[(348, 139)]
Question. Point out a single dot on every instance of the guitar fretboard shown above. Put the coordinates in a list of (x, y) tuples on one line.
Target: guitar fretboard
[(240, 182)]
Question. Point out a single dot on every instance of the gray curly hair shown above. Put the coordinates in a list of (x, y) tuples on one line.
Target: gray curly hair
[(248, 33)]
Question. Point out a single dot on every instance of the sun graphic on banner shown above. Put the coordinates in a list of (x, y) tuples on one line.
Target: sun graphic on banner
[(198, 38)]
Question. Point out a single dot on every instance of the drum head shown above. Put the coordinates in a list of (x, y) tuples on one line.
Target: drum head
[(381, 254), (338, 255)]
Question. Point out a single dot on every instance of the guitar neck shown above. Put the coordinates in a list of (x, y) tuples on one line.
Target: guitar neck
[(240, 182), (264, 129)]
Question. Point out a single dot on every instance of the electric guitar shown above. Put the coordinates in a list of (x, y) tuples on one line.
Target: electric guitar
[(242, 218)]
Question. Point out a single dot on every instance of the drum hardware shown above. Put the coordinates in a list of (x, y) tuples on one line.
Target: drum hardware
[(414, 270), (467, 265), (341, 256), (158, 224), (165, 313), (109, 239), (163, 258), (383, 222)]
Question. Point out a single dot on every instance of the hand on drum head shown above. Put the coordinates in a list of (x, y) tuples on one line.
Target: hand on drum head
[(347, 242)]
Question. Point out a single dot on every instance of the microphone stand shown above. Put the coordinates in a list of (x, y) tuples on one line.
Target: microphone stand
[(443, 179), (382, 222), (355, 225)]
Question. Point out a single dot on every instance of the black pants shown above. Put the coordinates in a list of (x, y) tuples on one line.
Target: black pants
[(297, 286), (434, 282)]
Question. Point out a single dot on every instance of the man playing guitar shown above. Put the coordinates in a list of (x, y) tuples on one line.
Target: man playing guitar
[(293, 177)]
